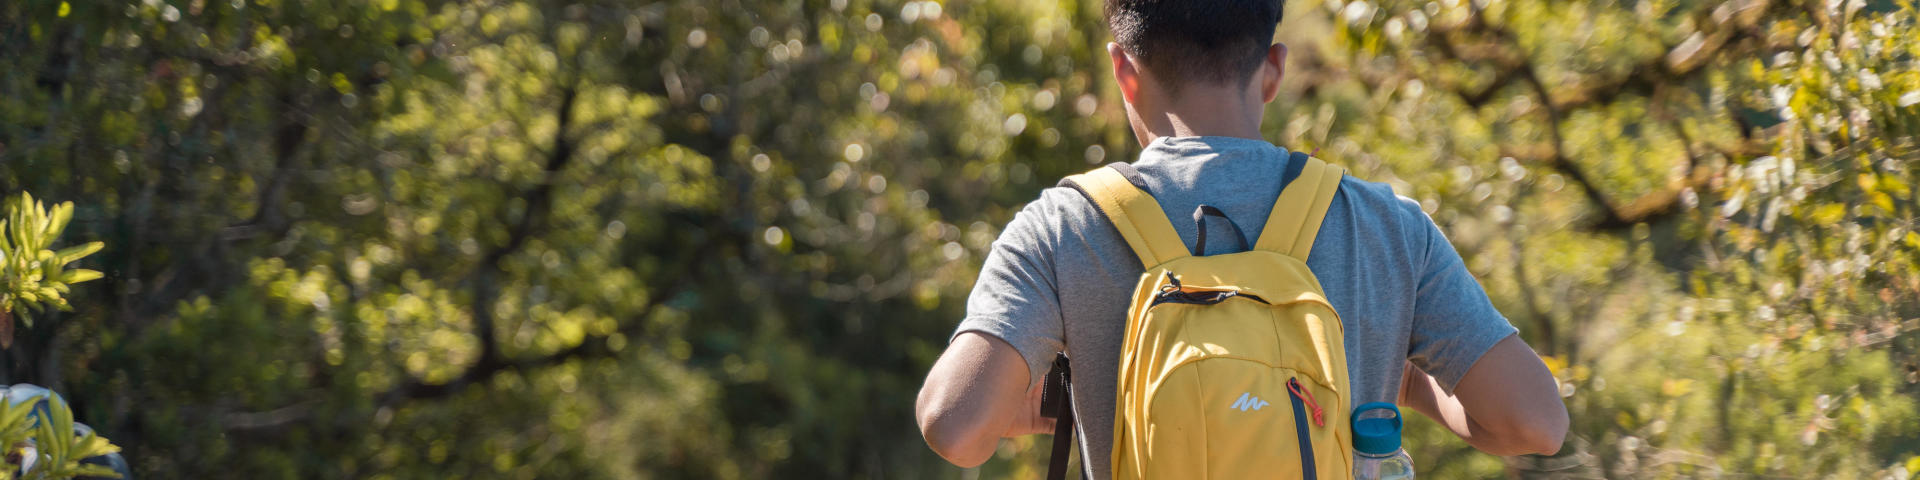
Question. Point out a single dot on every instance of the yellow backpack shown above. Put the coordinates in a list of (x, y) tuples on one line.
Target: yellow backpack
[(1233, 365)]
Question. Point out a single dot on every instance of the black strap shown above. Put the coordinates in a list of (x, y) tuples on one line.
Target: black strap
[(1200, 222), (1126, 170), (1133, 176), (1056, 402), (1296, 162)]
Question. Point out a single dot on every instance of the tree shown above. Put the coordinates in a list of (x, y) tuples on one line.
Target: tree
[(1699, 210), (405, 237)]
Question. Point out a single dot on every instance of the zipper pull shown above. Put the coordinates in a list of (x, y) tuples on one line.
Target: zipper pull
[(1293, 386), (1171, 290)]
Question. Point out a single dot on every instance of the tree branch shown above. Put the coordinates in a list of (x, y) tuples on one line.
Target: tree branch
[(287, 139), (539, 205), (1727, 29), (595, 346)]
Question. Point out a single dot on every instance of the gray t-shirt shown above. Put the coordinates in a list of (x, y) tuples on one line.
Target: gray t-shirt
[(1060, 276)]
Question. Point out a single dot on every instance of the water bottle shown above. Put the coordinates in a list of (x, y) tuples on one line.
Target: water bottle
[(1376, 444)]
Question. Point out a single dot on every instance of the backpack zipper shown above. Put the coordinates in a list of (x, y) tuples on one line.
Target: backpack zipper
[(1172, 293), (1300, 426)]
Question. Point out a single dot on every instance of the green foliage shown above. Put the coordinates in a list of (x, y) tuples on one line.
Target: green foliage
[(33, 276), (491, 239), (48, 443), (56, 448), (1697, 209)]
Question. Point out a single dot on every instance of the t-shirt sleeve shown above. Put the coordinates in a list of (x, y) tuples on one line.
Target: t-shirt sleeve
[(1453, 321), (1016, 297)]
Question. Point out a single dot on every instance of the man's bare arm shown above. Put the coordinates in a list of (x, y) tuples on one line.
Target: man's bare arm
[(1507, 404), (977, 393)]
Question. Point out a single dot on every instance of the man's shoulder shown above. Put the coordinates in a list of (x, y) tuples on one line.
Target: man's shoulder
[(1062, 204), (1069, 214), (1056, 213), (1379, 199)]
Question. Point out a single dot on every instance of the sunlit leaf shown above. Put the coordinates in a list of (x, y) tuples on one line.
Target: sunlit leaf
[(79, 275), (70, 254)]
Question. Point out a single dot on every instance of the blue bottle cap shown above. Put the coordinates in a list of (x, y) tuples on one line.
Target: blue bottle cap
[(1376, 435)]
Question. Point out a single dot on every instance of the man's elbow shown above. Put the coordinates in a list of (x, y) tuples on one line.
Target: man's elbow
[(1538, 433), (951, 438), (958, 448), (1543, 435)]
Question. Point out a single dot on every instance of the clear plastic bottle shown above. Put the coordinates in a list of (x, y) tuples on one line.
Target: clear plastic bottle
[(1376, 444)]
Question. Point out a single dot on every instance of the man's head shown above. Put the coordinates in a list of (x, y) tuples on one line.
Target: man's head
[(1171, 55)]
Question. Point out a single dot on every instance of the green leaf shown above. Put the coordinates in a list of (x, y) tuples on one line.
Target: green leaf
[(1829, 214), (90, 470), (62, 441), (93, 445), (57, 221), (17, 216), (45, 440), (41, 225), (1882, 200), (13, 419), (79, 275), (69, 254)]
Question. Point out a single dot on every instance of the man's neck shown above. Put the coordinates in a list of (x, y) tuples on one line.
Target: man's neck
[(1207, 112)]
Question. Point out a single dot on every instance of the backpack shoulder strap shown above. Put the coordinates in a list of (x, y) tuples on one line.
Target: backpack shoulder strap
[(1120, 194), (1302, 205)]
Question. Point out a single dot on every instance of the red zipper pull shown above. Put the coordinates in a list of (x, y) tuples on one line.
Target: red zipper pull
[(1293, 385)]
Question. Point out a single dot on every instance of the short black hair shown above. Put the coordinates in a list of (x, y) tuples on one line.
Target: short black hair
[(1195, 41)]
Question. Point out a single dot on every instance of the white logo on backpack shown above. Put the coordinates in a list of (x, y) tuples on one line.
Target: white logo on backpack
[(1248, 402)]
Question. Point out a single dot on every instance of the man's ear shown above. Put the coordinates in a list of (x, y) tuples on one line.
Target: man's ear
[(1271, 70), (1124, 71)]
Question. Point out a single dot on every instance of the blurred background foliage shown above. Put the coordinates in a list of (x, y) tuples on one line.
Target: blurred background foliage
[(718, 239)]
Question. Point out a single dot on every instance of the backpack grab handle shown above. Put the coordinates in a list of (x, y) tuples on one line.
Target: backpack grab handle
[(1200, 223)]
